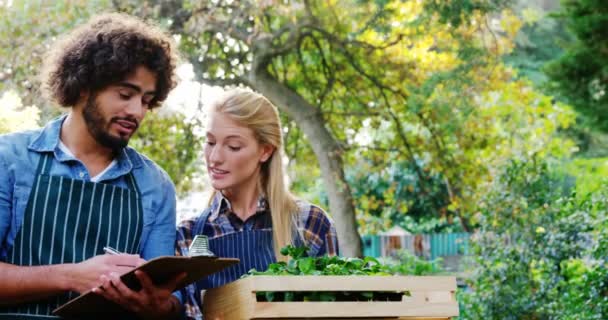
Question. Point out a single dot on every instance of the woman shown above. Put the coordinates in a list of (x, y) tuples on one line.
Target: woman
[(252, 214)]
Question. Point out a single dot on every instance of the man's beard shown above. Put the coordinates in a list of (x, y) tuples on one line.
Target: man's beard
[(99, 127)]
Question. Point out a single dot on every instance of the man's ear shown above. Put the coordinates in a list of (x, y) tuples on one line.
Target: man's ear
[(82, 99), (267, 151)]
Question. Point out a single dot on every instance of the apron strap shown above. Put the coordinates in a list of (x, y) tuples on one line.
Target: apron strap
[(44, 163), (132, 184), (202, 221)]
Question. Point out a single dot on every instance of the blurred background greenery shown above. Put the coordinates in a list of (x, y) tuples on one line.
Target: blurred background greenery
[(478, 116)]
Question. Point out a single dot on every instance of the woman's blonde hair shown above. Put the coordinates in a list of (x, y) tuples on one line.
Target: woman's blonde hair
[(254, 111)]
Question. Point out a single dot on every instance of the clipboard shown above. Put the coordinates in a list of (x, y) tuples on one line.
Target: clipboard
[(90, 305)]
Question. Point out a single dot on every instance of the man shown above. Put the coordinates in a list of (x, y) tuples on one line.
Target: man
[(74, 187)]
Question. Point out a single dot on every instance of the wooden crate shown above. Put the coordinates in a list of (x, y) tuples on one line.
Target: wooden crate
[(431, 298)]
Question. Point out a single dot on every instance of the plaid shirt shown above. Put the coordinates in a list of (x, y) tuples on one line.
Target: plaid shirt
[(314, 225)]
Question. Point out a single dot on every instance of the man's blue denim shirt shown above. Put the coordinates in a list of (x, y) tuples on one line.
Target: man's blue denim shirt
[(19, 155)]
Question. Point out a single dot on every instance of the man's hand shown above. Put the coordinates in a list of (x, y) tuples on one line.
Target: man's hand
[(87, 274), (150, 302)]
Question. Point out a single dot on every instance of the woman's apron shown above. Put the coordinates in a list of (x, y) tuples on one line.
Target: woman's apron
[(254, 249)]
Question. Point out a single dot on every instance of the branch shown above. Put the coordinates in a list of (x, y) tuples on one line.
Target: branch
[(344, 43), (293, 40), (223, 82), (226, 82), (356, 95), (401, 134), (353, 114), (359, 147), (342, 47), (371, 22), (275, 72), (329, 74), (179, 16), (213, 25), (304, 70), (308, 8), (222, 18)]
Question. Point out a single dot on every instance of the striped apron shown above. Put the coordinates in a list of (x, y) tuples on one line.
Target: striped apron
[(254, 249), (68, 221)]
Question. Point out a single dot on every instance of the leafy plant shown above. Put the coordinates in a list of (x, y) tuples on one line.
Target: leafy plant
[(540, 252), (406, 263), (403, 193), (300, 264)]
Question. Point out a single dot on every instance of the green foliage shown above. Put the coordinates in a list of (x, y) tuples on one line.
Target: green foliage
[(170, 142), (300, 264), (27, 29), (443, 224), (535, 252), (457, 12), (405, 263), (402, 195), (581, 74), (418, 80), (586, 280), (543, 39), (589, 174), (539, 41)]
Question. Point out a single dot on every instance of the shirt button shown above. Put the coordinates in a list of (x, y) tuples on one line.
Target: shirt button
[(81, 174)]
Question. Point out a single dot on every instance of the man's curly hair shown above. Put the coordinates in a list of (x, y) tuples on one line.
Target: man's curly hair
[(105, 51)]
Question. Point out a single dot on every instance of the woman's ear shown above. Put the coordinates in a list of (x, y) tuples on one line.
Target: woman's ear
[(267, 151)]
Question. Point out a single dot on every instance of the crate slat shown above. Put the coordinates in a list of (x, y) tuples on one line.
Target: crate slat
[(346, 283), (431, 298), (350, 309)]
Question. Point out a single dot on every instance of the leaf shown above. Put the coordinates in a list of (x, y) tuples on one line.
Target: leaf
[(289, 296), (367, 295), (327, 296), (269, 296), (306, 265)]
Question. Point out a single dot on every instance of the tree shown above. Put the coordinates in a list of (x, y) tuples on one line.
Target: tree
[(381, 81), (580, 76), (539, 41), (540, 251), (394, 196), (327, 65), (394, 68)]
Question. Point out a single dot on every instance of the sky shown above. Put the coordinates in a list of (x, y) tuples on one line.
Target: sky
[(190, 96)]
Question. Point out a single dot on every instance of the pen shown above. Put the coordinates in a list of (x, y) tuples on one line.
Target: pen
[(110, 250)]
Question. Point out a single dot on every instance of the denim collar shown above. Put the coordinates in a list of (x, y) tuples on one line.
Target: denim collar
[(48, 141)]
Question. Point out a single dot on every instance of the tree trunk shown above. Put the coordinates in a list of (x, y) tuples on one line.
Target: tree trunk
[(328, 153)]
